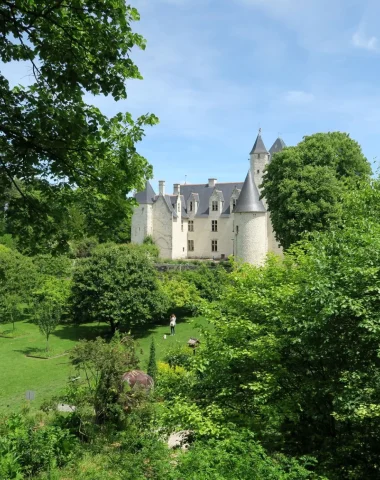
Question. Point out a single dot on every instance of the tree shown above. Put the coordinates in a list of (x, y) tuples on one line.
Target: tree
[(152, 364), (294, 353), (304, 185), (47, 131), (117, 285), (51, 298), (12, 308), (18, 278), (48, 318)]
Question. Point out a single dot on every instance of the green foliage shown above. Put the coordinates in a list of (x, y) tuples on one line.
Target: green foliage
[(173, 382), (47, 131), (117, 285), (18, 278), (12, 308), (28, 447), (209, 281), (152, 364), (48, 315), (148, 240), (100, 366), (304, 185), (83, 248), (179, 356), (239, 457), (294, 354), (181, 293), (57, 266)]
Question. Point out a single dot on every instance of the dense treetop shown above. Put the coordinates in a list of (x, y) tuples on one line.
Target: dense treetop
[(304, 185), (47, 130)]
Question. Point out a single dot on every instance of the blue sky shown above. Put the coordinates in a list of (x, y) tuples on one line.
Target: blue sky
[(217, 70)]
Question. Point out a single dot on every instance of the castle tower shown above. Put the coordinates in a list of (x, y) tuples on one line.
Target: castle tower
[(259, 158), (142, 218), (250, 224)]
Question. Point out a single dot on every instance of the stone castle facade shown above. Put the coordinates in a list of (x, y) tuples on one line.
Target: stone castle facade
[(212, 220)]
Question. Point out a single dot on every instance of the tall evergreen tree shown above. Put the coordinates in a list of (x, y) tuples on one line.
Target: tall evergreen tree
[(152, 365)]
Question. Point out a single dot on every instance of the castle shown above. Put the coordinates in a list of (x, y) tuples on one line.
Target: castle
[(212, 220)]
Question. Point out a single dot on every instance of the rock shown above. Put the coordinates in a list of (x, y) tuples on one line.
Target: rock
[(180, 439), (137, 378), (63, 407)]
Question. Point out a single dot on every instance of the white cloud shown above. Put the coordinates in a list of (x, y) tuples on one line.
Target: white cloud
[(298, 97), (360, 40)]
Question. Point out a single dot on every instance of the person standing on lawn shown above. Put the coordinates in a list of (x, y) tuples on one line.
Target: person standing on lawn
[(173, 321)]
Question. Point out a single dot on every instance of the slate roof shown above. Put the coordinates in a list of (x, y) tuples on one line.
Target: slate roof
[(147, 196), (278, 145), (249, 199), (204, 192), (259, 146)]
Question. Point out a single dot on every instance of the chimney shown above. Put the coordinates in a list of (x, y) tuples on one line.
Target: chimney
[(161, 187), (176, 189), (211, 182)]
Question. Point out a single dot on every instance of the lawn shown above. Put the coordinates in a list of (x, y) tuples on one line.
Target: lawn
[(46, 378)]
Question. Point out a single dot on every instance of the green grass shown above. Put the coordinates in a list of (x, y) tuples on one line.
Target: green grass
[(184, 330), (20, 373)]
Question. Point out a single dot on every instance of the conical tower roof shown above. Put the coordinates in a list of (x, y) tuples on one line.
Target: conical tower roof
[(147, 195), (278, 145), (259, 146), (249, 198)]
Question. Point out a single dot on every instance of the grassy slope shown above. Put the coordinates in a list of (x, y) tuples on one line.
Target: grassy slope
[(19, 373)]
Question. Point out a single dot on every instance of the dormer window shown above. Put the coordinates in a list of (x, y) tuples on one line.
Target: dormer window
[(214, 206), (233, 203), (179, 207), (191, 206)]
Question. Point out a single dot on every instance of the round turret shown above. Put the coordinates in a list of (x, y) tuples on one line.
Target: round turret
[(251, 239)]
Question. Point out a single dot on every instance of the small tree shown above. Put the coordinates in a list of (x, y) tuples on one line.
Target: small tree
[(49, 316), (152, 365), (12, 308)]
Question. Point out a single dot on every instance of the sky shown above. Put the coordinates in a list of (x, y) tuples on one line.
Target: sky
[(215, 71)]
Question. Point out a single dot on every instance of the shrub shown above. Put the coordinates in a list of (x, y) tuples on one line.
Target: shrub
[(27, 447)]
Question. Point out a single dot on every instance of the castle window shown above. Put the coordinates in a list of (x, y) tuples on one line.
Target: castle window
[(233, 203), (258, 171), (181, 225), (214, 245), (191, 206), (191, 226), (214, 225), (190, 245), (237, 229), (214, 206)]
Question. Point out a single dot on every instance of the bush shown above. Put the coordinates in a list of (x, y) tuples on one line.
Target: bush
[(239, 457), (209, 282), (172, 382), (83, 248), (181, 294), (28, 447), (56, 266)]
